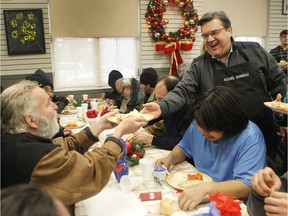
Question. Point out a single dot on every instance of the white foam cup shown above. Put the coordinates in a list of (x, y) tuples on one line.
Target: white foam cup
[(85, 96), (85, 107), (94, 105), (146, 165), (79, 111), (129, 183)]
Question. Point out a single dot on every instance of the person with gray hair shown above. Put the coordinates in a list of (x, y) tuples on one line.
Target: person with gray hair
[(243, 66), (62, 166), (131, 93)]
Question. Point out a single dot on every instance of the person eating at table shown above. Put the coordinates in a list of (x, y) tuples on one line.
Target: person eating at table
[(114, 97), (223, 143), (132, 96), (62, 166), (166, 133), (46, 83)]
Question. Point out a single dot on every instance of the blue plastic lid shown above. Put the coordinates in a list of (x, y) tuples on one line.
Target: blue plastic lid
[(159, 168)]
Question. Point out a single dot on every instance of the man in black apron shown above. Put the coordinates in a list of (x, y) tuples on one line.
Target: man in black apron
[(246, 67)]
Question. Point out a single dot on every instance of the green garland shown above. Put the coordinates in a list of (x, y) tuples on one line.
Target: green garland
[(138, 153), (156, 22)]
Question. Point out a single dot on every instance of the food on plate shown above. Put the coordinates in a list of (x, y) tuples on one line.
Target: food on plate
[(196, 176), (120, 117), (71, 125), (277, 106), (65, 112), (184, 179), (166, 207)]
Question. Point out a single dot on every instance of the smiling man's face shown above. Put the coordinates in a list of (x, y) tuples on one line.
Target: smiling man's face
[(217, 39)]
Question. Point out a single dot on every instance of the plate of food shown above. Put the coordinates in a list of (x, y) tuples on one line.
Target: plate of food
[(73, 125), (277, 106), (120, 117), (69, 110), (184, 179)]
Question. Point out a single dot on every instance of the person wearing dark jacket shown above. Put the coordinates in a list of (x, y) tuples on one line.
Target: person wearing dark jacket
[(45, 82), (132, 95), (168, 132), (280, 52), (113, 98), (63, 166), (245, 67)]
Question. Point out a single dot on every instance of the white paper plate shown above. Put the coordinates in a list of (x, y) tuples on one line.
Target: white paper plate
[(283, 109), (114, 203)]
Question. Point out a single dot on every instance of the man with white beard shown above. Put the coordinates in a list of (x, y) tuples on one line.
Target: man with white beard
[(62, 166)]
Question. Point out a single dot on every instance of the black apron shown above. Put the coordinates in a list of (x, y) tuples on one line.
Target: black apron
[(251, 93)]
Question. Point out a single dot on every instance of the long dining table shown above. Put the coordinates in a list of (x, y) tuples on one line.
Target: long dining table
[(113, 201), (151, 208)]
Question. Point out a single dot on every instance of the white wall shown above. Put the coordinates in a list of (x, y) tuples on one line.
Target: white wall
[(237, 10)]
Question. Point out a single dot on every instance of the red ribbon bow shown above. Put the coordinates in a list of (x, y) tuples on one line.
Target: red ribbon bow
[(174, 49)]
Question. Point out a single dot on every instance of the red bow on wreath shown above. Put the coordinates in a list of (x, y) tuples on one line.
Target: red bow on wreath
[(174, 49)]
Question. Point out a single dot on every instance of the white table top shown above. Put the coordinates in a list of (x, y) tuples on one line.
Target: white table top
[(152, 207)]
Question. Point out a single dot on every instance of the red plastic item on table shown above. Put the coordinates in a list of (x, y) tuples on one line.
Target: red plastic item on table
[(104, 111), (92, 114), (226, 205)]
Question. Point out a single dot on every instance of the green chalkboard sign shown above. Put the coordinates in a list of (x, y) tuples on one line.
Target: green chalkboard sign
[(24, 31)]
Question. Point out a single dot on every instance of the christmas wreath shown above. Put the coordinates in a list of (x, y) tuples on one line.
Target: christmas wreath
[(172, 42), (135, 151)]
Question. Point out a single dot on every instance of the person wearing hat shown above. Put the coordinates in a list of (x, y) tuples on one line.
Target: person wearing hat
[(113, 98), (148, 81), (45, 82), (280, 52)]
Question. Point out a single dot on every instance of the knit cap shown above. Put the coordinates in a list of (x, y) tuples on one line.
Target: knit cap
[(41, 77), (113, 76), (149, 77)]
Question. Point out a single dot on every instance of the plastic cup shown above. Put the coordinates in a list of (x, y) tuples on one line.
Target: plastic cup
[(71, 96), (79, 111), (85, 96), (129, 183), (159, 176), (85, 107), (146, 165), (94, 105)]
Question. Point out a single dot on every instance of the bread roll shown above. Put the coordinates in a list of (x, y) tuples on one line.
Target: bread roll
[(166, 207)]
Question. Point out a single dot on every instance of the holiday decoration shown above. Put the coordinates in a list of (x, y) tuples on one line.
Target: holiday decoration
[(172, 42), (135, 151)]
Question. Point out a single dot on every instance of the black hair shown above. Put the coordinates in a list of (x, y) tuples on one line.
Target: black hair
[(284, 32), (26, 200), (218, 109), (170, 82)]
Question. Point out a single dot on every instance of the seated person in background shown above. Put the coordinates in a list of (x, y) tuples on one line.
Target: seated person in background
[(45, 82), (27, 200), (112, 98), (62, 166), (223, 144), (280, 52), (269, 195), (148, 81), (131, 94), (168, 132)]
